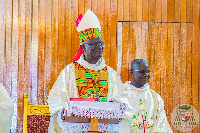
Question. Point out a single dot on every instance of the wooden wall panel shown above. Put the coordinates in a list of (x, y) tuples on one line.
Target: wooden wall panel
[(41, 52), (152, 53), (152, 10), (39, 38), (133, 10), (176, 67), (195, 58), (145, 10), (164, 10), (119, 48), (183, 10), (2, 41), (164, 51), (125, 51), (199, 80), (101, 17), (120, 8), (27, 50), (74, 35), (126, 10), (131, 47), (158, 12), (145, 40), (189, 37), (68, 32), (189, 11), (113, 39), (88, 5), (81, 6), (138, 40), (21, 42), (177, 11), (95, 6), (183, 68), (34, 51), (54, 39), (48, 49), (61, 34), (170, 10), (157, 57), (170, 75), (139, 10), (8, 38), (107, 33), (14, 69)]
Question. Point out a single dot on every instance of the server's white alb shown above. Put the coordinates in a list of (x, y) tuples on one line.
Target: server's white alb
[(6, 110)]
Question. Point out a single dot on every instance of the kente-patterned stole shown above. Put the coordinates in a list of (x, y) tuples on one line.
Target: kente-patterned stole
[(85, 82)]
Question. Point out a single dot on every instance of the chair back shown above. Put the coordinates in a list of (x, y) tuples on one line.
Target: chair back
[(36, 118)]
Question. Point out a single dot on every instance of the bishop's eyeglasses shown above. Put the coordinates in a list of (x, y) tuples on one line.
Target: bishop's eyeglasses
[(95, 44)]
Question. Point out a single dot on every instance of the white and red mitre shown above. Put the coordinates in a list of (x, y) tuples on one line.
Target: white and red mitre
[(88, 27)]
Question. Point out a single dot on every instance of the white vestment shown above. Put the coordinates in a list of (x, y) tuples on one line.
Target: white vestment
[(65, 88), (145, 111), (6, 110)]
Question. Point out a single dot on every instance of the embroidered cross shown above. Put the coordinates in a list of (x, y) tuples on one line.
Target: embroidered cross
[(142, 113)]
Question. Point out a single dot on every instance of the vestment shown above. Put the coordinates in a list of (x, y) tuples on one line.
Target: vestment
[(6, 110), (145, 109), (65, 88)]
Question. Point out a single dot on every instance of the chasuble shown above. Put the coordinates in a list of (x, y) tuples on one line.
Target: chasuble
[(145, 113), (81, 80)]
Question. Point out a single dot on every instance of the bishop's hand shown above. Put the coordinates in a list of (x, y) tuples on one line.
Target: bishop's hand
[(63, 114)]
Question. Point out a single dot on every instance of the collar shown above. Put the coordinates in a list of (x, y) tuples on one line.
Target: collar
[(100, 62), (128, 86)]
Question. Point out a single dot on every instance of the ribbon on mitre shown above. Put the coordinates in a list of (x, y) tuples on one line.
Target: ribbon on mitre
[(78, 54), (78, 20), (80, 51)]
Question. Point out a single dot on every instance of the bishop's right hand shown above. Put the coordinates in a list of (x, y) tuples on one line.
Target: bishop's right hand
[(63, 114)]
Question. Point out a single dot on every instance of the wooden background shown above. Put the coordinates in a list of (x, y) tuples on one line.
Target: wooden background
[(39, 38)]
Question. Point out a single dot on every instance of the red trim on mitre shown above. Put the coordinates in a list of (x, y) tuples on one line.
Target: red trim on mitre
[(78, 54), (78, 20)]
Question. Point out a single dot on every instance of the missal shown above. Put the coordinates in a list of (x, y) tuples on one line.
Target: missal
[(84, 99)]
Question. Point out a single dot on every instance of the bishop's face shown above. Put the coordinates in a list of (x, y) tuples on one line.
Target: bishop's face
[(92, 49), (140, 74)]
